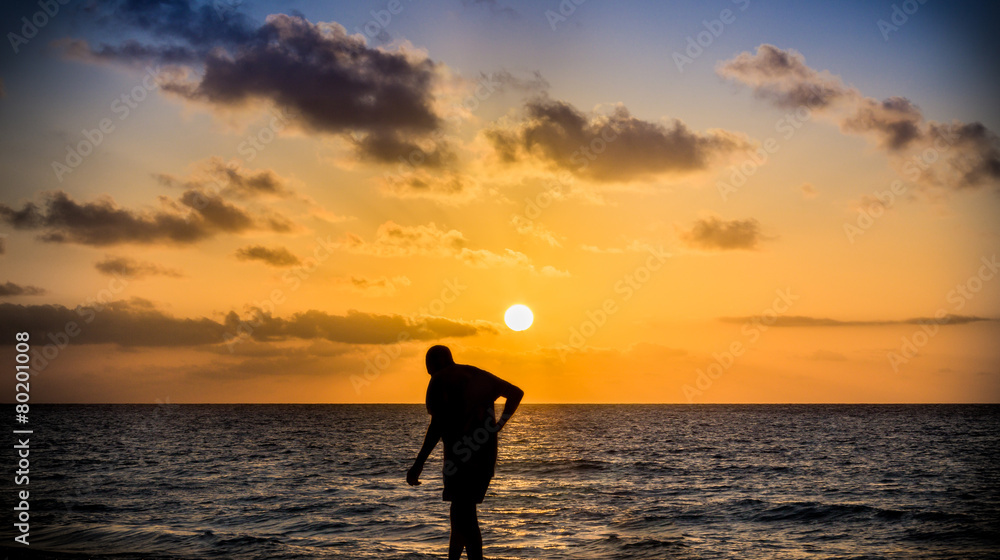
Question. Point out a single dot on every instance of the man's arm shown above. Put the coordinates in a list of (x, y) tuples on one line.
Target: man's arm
[(430, 440), (513, 394)]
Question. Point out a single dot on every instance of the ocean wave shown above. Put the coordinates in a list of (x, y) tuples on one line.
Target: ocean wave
[(573, 483)]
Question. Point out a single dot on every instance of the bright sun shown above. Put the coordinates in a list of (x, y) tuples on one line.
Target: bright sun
[(518, 317)]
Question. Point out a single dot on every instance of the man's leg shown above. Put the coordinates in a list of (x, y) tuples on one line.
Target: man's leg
[(465, 532), (473, 538), (457, 542)]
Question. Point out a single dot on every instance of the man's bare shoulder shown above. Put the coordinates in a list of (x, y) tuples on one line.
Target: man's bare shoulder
[(476, 375), (450, 375), (482, 382), (473, 370), (450, 379)]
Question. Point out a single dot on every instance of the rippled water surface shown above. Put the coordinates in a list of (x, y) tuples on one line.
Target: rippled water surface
[(574, 482)]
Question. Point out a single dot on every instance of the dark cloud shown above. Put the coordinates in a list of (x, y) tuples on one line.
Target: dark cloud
[(189, 31), (331, 81), (616, 147), (215, 211), (136, 323), (803, 321), (394, 147), (442, 186), (714, 233), (970, 154), (357, 327), (231, 180), (783, 78), (133, 268), (26, 218), (276, 257), (10, 289), (3, 244), (129, 52), (265, 182), (334, 80), (194, 217), (895, 121), (952, 155)]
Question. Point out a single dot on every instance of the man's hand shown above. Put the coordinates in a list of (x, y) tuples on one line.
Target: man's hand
[(413, 475), (499, 425), (430, 440), (513, 396)]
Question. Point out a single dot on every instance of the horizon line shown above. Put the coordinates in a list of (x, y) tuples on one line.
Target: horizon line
[(533, 403)]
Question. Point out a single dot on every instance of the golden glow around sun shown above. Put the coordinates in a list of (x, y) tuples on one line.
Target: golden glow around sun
[(518, 317)]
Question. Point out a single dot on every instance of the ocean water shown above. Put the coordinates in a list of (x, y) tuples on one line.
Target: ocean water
[(573, 482)]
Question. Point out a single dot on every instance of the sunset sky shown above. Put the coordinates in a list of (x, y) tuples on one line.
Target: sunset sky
[(729, 201)]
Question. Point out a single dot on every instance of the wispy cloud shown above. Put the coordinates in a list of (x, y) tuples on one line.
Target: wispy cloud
[(536, 230), (10, 289), (138, 323), (445, 186), (394, 240), (608, 148), (193, 217), (373, 287), (380, 101), (714, 233), (133, 268), (969, 153), (231, 180), (271, 256), (804, 321)]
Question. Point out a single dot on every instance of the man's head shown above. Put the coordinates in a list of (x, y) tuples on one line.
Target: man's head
[(438, 357)]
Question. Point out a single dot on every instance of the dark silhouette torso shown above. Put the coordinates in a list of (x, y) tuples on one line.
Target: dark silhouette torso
[(460, 399)]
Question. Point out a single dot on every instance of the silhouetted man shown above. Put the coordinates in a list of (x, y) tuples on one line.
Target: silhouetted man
[(460, 401)]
